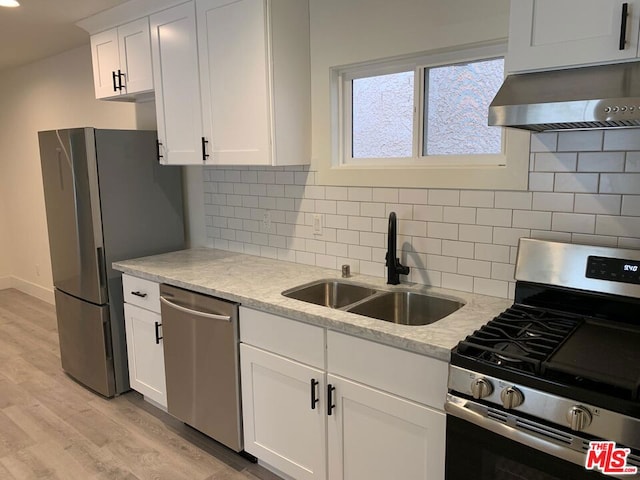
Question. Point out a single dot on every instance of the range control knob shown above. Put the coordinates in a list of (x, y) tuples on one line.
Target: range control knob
[(511, 397), (579, 418), (481, 388)]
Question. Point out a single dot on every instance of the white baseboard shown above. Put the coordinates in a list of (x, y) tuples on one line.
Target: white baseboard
[(44, 294)]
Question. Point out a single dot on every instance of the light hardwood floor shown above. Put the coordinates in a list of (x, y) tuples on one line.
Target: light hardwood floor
[(53, 428)]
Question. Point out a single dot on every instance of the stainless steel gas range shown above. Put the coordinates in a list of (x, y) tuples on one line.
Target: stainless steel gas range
[(550, 389)]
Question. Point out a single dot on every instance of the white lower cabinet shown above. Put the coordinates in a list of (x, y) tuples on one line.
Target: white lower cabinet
[(377, 436), (144, 339), (376, 414), (280, 425)]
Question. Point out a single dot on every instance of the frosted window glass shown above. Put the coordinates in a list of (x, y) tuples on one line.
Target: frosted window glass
[(383, 116), (457, 99)]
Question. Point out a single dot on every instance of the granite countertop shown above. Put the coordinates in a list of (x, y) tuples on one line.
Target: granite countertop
[(258, 282)]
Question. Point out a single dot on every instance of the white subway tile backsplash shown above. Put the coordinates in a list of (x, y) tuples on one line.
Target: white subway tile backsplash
[(631, 205), (541, 182), (531, 219), (457, 282), (486, 286), (576, 182), (454, 248), (442, 263), (460, 239), (459, 215), (474, 268), (633, 162), (336, 193), (556, 162), (475, 233), (621, 226), (348, 208), (620, 183), (386, 195), (625, 139), (593, 203), (553, 202), (373, 209), (580, 141), (601, 162), (443, 230), (544, 142), (411, 195), (492, 253), (477, 198), (573, 222), (444, 197), (360, 194), (494, 216), (432, 213), (509, 236), (515, 200)]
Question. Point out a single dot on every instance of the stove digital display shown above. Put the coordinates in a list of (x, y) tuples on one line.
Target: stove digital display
[(613, 269)]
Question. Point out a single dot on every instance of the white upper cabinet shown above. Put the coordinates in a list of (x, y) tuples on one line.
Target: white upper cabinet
[(255, 77), (121, 60), (551, 34), (177, 86)]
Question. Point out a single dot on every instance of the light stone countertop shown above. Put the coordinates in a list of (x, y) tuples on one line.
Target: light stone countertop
[(258, 283)]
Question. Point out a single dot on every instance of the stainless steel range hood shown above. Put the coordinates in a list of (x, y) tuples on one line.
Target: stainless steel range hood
[(606, 96)]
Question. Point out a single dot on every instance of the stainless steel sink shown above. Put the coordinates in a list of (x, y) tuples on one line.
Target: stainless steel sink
[(330, 293), (407, 308)]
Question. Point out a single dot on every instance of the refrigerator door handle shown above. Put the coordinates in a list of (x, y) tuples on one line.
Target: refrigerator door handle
[(102, 273)]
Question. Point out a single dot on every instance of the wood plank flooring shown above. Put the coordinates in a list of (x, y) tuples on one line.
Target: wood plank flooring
[(53, 428)]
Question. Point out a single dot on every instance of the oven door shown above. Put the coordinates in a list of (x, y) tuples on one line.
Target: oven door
[(476, 453), (485, 448)]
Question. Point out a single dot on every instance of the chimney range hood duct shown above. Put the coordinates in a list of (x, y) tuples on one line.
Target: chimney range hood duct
[(606, 96)]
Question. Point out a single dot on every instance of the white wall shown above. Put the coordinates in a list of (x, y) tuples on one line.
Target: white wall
[(53, 93)]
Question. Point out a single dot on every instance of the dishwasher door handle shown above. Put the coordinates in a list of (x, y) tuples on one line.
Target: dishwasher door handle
[(211, 316)]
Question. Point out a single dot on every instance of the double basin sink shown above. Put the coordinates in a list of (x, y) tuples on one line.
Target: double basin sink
[(404, 307)]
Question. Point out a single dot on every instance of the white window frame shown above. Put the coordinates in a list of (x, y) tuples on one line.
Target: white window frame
[(505, 171), (418, 65)]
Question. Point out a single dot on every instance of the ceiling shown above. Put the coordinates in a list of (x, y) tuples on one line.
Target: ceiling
[(41, 28)]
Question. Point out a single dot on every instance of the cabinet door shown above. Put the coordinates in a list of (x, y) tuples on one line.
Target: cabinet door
[(145, 355), (551, 33), (378, 436), (106, 62), (177, 86), (135, 56), (234, 72), (280, 427)]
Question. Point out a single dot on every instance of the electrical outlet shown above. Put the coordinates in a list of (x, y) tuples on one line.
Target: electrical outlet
[(317, 224), (266, 222)]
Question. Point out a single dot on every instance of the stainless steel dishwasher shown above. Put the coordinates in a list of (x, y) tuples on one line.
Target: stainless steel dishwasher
[(200, 336)]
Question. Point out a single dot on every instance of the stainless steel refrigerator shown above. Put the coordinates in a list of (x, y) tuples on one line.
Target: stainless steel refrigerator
[(107, 199)]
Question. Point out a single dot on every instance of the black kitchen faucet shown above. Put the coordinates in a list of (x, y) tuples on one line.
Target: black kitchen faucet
[(394, 268)]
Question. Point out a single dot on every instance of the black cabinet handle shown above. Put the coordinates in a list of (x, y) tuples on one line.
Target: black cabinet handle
[(330, 404), (623, 26), (158, 337), (205, 155), (158, 145), (120, 85), (113, 77), (314, 398), (139, 294)]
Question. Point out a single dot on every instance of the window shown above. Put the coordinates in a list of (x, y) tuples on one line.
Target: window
[(419, 121), (421, 110)]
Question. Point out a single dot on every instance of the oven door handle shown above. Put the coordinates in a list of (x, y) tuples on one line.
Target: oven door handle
[(470, 411)]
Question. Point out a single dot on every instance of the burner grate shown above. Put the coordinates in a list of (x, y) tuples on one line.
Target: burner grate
[(520, 338)]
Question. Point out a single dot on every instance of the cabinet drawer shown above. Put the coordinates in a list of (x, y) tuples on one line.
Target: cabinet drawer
[(141, 292), (410, 375), (286, 337)]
